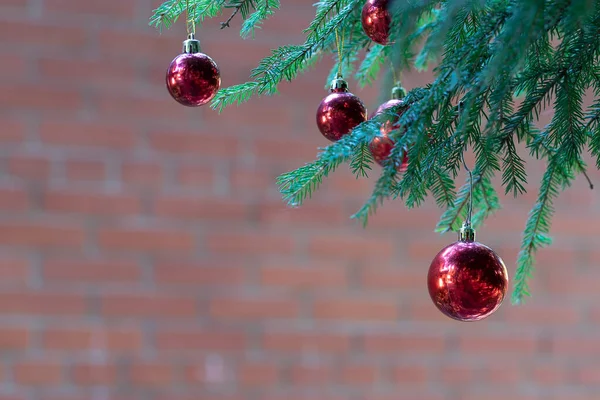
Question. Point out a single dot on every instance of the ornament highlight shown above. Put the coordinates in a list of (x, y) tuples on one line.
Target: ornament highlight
[(382, 145), (340, 111), (376, 21), (193, 78), (467, 280)]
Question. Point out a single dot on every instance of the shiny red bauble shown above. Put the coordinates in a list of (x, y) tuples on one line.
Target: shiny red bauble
[(376, 21), (340, 112), (467, 281), (381, 146), (193, 78)]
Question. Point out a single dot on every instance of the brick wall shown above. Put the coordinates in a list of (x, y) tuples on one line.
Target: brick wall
[(145, 253)]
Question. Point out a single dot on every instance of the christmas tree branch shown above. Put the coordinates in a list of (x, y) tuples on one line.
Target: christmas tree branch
[(286, 62)]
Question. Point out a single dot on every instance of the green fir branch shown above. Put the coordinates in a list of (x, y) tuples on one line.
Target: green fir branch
[(361, 161)]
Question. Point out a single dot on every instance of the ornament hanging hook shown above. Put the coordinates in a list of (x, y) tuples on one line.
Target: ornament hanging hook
[(340, 48), (190, 23), (470, 210)]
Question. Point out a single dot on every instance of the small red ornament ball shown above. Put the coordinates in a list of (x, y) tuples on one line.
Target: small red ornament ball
[(381, 146), (467, 281), (340, 112), (376, 21), (193, 78)]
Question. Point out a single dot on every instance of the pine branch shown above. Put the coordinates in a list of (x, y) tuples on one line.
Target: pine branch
[(298, 185), (288, 61), (264, 10), (369, 69), (361, 161), (536, 232)]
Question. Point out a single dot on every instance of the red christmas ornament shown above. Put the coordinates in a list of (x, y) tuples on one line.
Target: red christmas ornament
[(467, 280), (340, 111), (376, 21), (193, 78), (381, 146)]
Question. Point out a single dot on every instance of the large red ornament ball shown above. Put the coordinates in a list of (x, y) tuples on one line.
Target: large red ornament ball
[(381, 146), (340, 112), (193, 78), (467, 281), (376, 21)]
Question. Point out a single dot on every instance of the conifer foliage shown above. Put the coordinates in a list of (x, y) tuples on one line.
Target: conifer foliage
[(497, 65)]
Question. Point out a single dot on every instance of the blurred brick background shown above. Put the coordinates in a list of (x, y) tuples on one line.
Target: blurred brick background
[(145, 252)]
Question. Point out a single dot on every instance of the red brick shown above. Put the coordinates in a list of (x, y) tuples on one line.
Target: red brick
[(249, 243), (14, 271), (274, 149), (38, 97), (37, 373), (120, 339), (14, 338), (79, 170), (55, 36), (145, 240), (200, 339), (244, 179), (253, 308), (187, 273), (310, 375), (196, 176), (201, 209), (403, 375), (523, 343), (198, 144), (143, 174), (12, 131), (306, 342), (151, 374), (94, 374), (29, 167), (575, 345), (457, 374), (425, 311), (14, 199), (69, 270), (548, 374), (42, 304), (352, 248), (358, 375), (544, 315), (309, 214), (403, 343), (355, 309), (258, 375), (396, 279), (92, 203), (133, 106), (148, 306), (147, 45), (15, 4), (502, 373), (96, 134), (304, 277), (67, 339), (106, 8), (41, 235)]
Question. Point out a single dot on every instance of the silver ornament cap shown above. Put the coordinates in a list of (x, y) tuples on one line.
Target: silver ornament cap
[(191, 45)]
